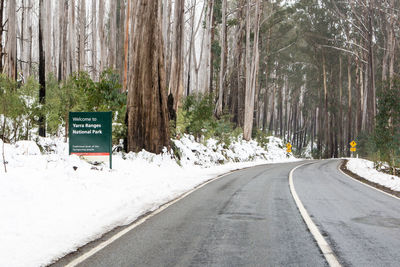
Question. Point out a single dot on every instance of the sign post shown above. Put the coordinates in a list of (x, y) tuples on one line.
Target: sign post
[(90, 136), (353, 145), (288, 147)]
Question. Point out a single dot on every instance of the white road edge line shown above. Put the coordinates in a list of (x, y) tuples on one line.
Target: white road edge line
[(104, 244), (323, 245), (377, 189)]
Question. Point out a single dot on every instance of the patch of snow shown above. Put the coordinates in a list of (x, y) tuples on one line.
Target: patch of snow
[(365, 169), (51, 204), (27, 148)]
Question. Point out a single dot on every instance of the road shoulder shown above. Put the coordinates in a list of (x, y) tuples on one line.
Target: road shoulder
[(343, 168)]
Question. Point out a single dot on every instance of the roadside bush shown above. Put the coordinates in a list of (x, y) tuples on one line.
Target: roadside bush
[(19, 108), (197, 118), (262, 138), (387, 131), (79, 93)]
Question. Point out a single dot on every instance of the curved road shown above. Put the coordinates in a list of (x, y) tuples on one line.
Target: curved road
[(361, 224), (249, 218)]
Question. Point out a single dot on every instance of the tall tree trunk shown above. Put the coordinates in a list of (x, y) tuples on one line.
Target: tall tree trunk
[(112, 37), (12, 41), (42, 71), (326, 130), (176, 79), (251, 70), (168, 43), (1, 34), (222, 64), (120, 38), (371, 67), (208, 55), (126, 46), (102, 36), (349, 106), (47, 39), (191, 44), (147, 100), (82, 35), (94, 40), (340, 141)]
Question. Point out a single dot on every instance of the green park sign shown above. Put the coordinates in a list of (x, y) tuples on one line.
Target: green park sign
[(90, 135)]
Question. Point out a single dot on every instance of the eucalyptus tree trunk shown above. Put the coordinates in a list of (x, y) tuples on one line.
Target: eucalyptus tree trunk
[(340, 141), (47, 38), (327, 128), (208, 60), (148, 126), (167, 37), (251, 70), (94, 40), (61, 44), (42, 70), (20, 34), (82, 35), (102, 36), (120, 38), (371, 70), (1, 34), (12, 41), (112, 37), (126, 46), (176, 78), (72, 42), (222, 70), (349, 106)]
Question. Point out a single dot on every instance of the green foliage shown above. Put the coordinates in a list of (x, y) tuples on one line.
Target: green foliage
[(19, 106), (262, 138), (387, 131), (81, 93), (366, 146), (216, 50), (9, 104), (197, 118)]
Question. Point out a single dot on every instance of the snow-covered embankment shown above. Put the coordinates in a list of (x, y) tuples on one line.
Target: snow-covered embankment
[(48, 209)]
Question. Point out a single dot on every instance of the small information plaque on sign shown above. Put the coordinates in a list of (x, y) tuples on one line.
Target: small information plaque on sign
[(90, 136)]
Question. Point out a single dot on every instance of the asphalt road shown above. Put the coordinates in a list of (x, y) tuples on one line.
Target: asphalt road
[(249, 218), (361, 224)]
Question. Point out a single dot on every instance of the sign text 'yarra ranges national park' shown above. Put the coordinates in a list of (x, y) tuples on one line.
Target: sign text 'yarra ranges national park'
[(90, 136)]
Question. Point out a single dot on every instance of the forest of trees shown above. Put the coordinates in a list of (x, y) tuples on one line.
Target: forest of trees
[(310, 71)]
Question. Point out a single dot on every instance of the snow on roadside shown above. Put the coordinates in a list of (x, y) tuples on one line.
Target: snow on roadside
[(365, 169), (48, 209)]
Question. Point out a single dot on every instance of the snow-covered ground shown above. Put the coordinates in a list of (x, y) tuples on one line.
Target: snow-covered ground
[(48, 209), (365, 169)]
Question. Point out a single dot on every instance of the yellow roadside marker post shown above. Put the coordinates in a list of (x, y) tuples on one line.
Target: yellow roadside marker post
[(353, 148), (288, 148)]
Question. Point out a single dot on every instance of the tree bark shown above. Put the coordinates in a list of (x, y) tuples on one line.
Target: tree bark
[(42, 72), (327, 128), (1, 34), (12, 41), (120, 38), (126, 46), (349, 106), (82, 35), (176, 79), (222, 64), (148, 126), (47, 39), (102, 36), (251, 70), (94, 40), (112, 38)]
